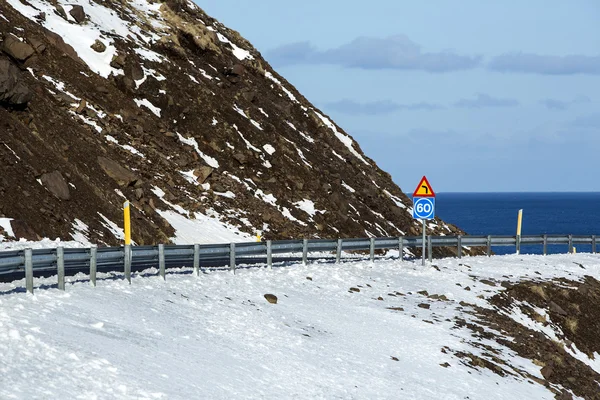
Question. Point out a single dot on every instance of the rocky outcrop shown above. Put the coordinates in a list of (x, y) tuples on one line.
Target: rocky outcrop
[(13, 91), (56, 184)]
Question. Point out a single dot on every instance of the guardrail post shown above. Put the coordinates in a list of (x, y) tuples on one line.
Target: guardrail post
[(197, 259), (304, 251), (93, 264), (60, 266), (489, 245), (518, 244), (232, 257), (269, 254), (570, 244), (127, 262), (400, 247), (161, 261), (29, 270), (338, 252), (372, 249), (593, 244), (430, 248), (459, 246), (545, 244)]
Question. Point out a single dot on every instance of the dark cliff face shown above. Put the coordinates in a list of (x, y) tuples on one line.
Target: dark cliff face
[(160, 104)]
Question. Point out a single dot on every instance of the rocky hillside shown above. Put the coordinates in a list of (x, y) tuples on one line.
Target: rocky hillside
[(160, 104)]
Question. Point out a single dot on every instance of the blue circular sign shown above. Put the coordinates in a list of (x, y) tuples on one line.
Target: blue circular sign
[(424, 208)]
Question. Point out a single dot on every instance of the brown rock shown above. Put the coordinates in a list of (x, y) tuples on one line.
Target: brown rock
[(12, 90), (22, 230), (57, 41), (354, 289), (202, 173), (81, 107), (78, 13), (56, 184), (61, 11), (271, 298), (37, 44), (556, 308), (118, 61), (424, 305), (98, 46), (240, 157), (121, 175), (18, 50)]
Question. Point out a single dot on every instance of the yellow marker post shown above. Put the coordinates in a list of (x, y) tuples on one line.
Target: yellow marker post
[(127, 223), (519, 224), (258, 238)]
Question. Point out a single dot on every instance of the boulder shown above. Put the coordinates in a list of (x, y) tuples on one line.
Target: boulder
[(22, 230), (37, 44), (61, 11), (78, 13), (12, 90), (56, 184), (57, 41), (240, 157), (203, 173), (18, 50), (118, 61), (271, 298), (121, 175), (98, 46)]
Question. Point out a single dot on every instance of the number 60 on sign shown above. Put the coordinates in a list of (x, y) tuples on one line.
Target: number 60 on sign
[(424, 208)]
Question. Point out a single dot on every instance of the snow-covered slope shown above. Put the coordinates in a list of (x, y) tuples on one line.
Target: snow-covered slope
[(361, 330)]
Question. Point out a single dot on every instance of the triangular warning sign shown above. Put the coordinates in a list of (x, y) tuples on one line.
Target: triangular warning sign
[(424, 189)]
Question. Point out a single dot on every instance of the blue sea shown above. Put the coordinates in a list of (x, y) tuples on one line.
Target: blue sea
[(543, 213)]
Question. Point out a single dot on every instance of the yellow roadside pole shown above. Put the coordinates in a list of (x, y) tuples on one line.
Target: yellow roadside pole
[(258, 238), (519, 224), (127, 232), (127, 223)]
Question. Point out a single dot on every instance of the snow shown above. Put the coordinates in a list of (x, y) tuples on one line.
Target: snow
[(12, 151), (248, 144), (238, 52), (81, 37), (202, 229), (210, 161), (269, 149), (5, 224), (41, 244), (270, 76), (395, 199), (80, 232), (345, 139), (308, 207), (217, 337), (146, 103), (127, 147), (348, 188), (112, 227)]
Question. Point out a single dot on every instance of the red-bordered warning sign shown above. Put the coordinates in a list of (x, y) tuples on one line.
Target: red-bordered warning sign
[(424, 189)]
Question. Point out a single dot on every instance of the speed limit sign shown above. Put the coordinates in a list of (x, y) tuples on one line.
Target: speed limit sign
[(424, 207)]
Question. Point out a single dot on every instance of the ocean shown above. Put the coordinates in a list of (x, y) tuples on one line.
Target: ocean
[(543, 213)]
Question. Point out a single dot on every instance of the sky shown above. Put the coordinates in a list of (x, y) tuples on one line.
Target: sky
[(478, 96)]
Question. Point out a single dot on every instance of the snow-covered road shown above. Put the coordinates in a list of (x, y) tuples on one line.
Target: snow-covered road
[(216, 336)]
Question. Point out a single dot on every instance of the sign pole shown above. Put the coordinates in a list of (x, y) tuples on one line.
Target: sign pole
[(424, 209), (423, 262)]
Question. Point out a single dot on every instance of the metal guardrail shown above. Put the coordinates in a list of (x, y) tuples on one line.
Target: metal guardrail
[(44, 262)]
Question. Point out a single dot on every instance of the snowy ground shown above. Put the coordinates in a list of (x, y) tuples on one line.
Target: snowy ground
[(215, 336)]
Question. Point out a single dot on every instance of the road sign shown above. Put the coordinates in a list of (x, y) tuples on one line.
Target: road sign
[(424, 208), (424, 189)]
